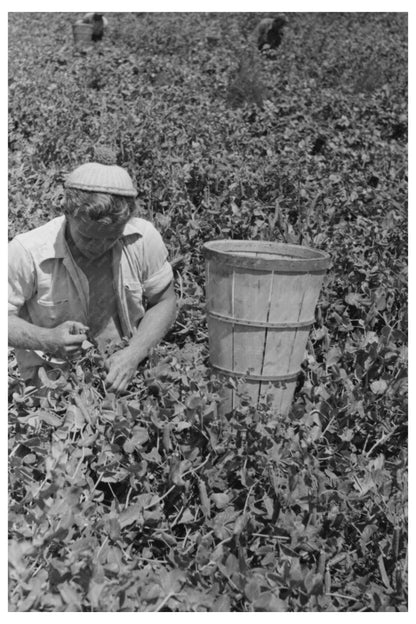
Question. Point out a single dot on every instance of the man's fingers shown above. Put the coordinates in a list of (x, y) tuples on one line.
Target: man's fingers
[(118, 387), (107, 364), (119, 372), (115, 381), (122, 389), (111, 374), (72, 352), (73, 339), (78, 328), (73, 349)]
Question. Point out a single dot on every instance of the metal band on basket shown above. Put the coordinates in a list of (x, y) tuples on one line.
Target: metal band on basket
[(263, 378), (234, 321)]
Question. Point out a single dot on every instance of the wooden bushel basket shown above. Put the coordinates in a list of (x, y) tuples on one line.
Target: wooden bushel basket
[(82, 33), (261, 299)]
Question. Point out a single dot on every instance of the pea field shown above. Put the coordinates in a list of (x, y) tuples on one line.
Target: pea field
[(155, 501)]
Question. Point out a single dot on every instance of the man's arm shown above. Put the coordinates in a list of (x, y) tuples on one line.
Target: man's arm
[(64, 340), (159, 317)]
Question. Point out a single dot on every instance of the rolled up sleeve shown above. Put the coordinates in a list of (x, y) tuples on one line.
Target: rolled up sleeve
[(157, 271), (22, 276)]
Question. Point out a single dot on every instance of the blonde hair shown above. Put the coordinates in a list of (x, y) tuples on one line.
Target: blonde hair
[(102, 207)]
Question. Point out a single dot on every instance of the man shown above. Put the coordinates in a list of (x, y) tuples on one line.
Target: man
[(96, 271)]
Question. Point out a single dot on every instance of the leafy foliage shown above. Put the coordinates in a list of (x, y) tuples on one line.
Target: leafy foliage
[(154, 501)]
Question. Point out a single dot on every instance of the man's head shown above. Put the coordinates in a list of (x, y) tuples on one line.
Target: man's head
[(102, 207), (99, 200)]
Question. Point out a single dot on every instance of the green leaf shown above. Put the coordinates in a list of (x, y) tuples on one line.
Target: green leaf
[(333, 356), (186, 517), (252, 590), (95, 590), (132, 515), (140, 435), (49, 418), (379, 386), (219, 499)]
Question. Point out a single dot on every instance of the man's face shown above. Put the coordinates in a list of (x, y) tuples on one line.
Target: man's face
[(92, 238)]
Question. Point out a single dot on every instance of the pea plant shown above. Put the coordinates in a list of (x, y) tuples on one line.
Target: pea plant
[(154, 500)]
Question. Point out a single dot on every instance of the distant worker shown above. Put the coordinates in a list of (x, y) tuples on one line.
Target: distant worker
[(269, 31), (98, 22)]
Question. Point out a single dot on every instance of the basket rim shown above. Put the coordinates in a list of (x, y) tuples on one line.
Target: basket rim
[(282, 256)]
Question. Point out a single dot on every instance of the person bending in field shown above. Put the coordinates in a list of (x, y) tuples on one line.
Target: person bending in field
[(98, 23), (269, 32), (96, 271)]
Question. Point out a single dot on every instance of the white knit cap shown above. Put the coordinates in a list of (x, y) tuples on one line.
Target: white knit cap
[(102, 176)]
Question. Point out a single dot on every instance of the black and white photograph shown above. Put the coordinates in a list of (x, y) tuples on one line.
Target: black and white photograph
[(208, 309)]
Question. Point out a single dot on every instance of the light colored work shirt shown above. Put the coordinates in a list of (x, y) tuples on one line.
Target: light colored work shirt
[(47, 287)]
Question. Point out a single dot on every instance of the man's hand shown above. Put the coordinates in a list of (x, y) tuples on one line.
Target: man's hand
[(159, 316), (121, 367), (66, 339)]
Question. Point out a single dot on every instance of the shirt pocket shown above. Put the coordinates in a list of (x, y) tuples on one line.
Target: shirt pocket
[(52, 293), (50, 304), (53, 313), (134, 300)]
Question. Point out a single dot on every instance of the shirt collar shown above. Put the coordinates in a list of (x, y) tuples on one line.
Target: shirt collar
[(56, 246)]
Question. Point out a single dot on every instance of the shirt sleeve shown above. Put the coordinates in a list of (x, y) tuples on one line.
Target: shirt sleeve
[(157, 271), (22, 276)]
